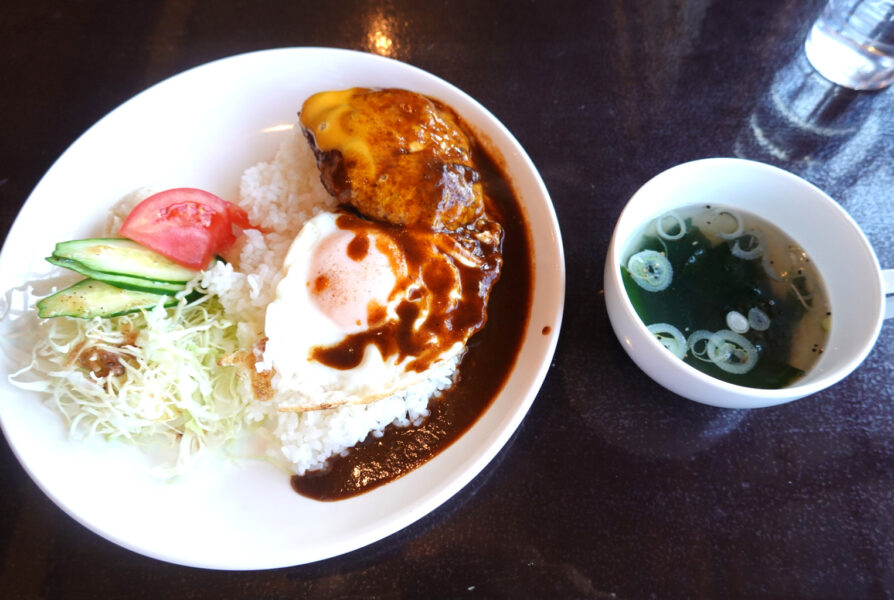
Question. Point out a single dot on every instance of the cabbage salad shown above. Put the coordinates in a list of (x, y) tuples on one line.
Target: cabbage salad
[(161, 376)]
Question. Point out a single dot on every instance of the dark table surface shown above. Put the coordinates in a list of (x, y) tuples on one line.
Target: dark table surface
[(612, 486)]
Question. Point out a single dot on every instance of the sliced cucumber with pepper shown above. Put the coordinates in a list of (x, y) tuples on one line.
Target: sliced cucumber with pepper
[(123, 277), (125, 282), (122, 257), (91, 298)]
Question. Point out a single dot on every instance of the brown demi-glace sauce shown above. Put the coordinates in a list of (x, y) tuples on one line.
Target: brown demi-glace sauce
[(486, 366), (429, 321)]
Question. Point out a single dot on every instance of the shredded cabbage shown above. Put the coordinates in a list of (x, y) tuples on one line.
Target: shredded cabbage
[(165, 384)]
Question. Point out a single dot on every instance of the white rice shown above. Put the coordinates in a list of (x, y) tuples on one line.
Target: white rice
[(280, 196)]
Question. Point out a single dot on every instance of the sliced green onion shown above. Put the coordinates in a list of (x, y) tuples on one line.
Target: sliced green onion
[(758, 319), (662, 232), (735, 232), (698, 344), (650, 270), (732, 352), (751, 251), (670, 337), (768, 268), (727, 349), (737, 321), (806, 300)]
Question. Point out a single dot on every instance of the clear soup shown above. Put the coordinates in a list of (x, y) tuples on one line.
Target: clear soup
[(730, 294)]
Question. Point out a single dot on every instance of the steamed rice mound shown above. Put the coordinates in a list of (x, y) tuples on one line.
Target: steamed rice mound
[(279, 197)]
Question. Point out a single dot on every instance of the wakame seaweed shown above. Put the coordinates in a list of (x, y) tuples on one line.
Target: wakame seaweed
[(709, 282)]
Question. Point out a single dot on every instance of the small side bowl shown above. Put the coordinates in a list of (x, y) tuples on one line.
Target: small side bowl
[(834, 242)]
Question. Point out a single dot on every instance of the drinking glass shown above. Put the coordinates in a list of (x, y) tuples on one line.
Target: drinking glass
[(852, 43)]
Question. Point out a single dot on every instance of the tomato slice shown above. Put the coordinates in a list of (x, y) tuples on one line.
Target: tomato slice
[(187, 225)]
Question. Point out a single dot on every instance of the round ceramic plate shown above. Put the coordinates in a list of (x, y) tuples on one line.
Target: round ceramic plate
[(202, 128)]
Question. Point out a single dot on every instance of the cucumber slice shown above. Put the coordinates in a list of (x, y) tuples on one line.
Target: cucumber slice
[(91, 298), (123, 257), (122, 281)]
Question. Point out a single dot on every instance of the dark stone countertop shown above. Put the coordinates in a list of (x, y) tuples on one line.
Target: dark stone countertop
[(612, 487)]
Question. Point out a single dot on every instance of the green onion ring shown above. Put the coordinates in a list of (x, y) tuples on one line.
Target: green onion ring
[(739, 227), (737, 321), (758, 319), (756, 252), (650, 270), (732, 352), (670, 337), (662, 232), (701, 335)]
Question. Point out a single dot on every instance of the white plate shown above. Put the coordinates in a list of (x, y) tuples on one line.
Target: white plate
[(202, 128)]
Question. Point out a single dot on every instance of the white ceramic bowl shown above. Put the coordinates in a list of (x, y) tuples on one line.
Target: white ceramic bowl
[(817, 223)]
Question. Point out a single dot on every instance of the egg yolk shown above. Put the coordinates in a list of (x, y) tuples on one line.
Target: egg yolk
[(350, 279)]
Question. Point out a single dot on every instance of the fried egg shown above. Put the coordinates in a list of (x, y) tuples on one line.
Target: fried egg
[(364, 310)]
